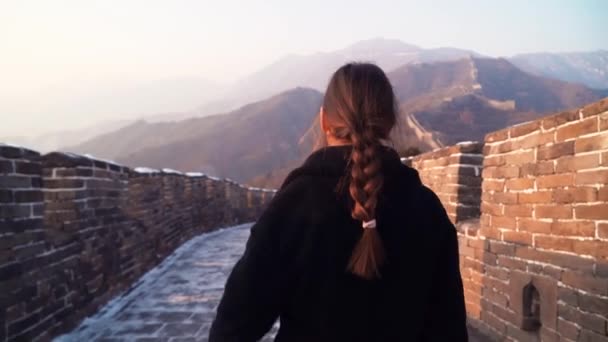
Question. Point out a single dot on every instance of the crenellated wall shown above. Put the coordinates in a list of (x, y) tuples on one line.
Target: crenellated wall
[(454, 174), (535, 264), (75, 231)]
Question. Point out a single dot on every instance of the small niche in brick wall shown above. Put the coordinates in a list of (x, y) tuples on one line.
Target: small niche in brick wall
[(534, 301), (531, 308)]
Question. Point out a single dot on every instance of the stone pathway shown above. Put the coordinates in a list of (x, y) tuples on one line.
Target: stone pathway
[(175, 301)]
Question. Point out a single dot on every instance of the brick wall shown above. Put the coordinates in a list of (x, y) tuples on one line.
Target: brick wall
[(544, 222), (535, 264), (454, 174), (75, 231)]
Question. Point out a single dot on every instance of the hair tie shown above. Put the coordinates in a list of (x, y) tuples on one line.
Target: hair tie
[(369, 224)]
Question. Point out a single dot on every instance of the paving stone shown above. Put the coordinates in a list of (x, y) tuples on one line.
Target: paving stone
[(175, 302), (180, 329)]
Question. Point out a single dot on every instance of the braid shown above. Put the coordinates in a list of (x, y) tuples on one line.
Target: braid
[(360, 107), (366, 182)]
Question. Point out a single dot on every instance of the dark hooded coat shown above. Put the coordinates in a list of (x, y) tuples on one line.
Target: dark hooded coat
[(295, 263)]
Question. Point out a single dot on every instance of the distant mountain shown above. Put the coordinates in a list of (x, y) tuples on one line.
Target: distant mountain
[(313, 71), (589, 68), (250, 141), (55, 141), (259, 143), (465, 99)]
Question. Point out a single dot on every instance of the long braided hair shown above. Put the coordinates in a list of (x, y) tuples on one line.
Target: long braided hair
[(360, 107)]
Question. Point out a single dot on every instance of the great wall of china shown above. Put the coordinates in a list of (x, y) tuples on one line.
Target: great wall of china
[(530, 205)]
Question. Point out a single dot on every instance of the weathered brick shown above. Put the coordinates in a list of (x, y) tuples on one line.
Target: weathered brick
[(555, 181), (28, 168), (595, 108), (491, 233), (590, 247), (491, 208), (523, 129), (13, 182), (504, 222), (519, 157), (26, 196), (498, 298), (498, 273), (603, 122), (65, 195), (14, 211), (533, 226), (553, 243), (575, 195), (568, 312), (496, 160), (592, 322), (602, 194), (573, 228), (498, 148), (535, 197), (478, 243), (6, 167), (501, 172), (602, 230), (505, 314), (577, 163), (586, 282), (63, 183), (533, 140), (505, 197), (538, 168), (511, 263), (73, 172), (594, 143), (500, 135), (553, 272), (559, 119), (6, 196), (497, 324), (555, 151), (550, 335), (523, 238), (574, 130), (518, 210), (590, 336), (567, 329), (519, 184), (488, 258), (568, 296), (592, 177), (555, 258), (592, 211), (554, 211), (593, 304), (493, 184)]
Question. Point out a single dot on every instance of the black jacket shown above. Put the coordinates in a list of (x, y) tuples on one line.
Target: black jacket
[(294, 265)]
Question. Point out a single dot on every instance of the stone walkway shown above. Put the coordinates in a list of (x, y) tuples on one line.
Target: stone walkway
[(175, 301)]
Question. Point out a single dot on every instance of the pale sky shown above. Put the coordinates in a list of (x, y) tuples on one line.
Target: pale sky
[(57, 55)]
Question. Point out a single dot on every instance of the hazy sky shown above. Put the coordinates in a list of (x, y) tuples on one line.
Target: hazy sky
[(56, 55)]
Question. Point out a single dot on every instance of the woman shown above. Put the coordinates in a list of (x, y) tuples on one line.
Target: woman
[(353, 247)]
